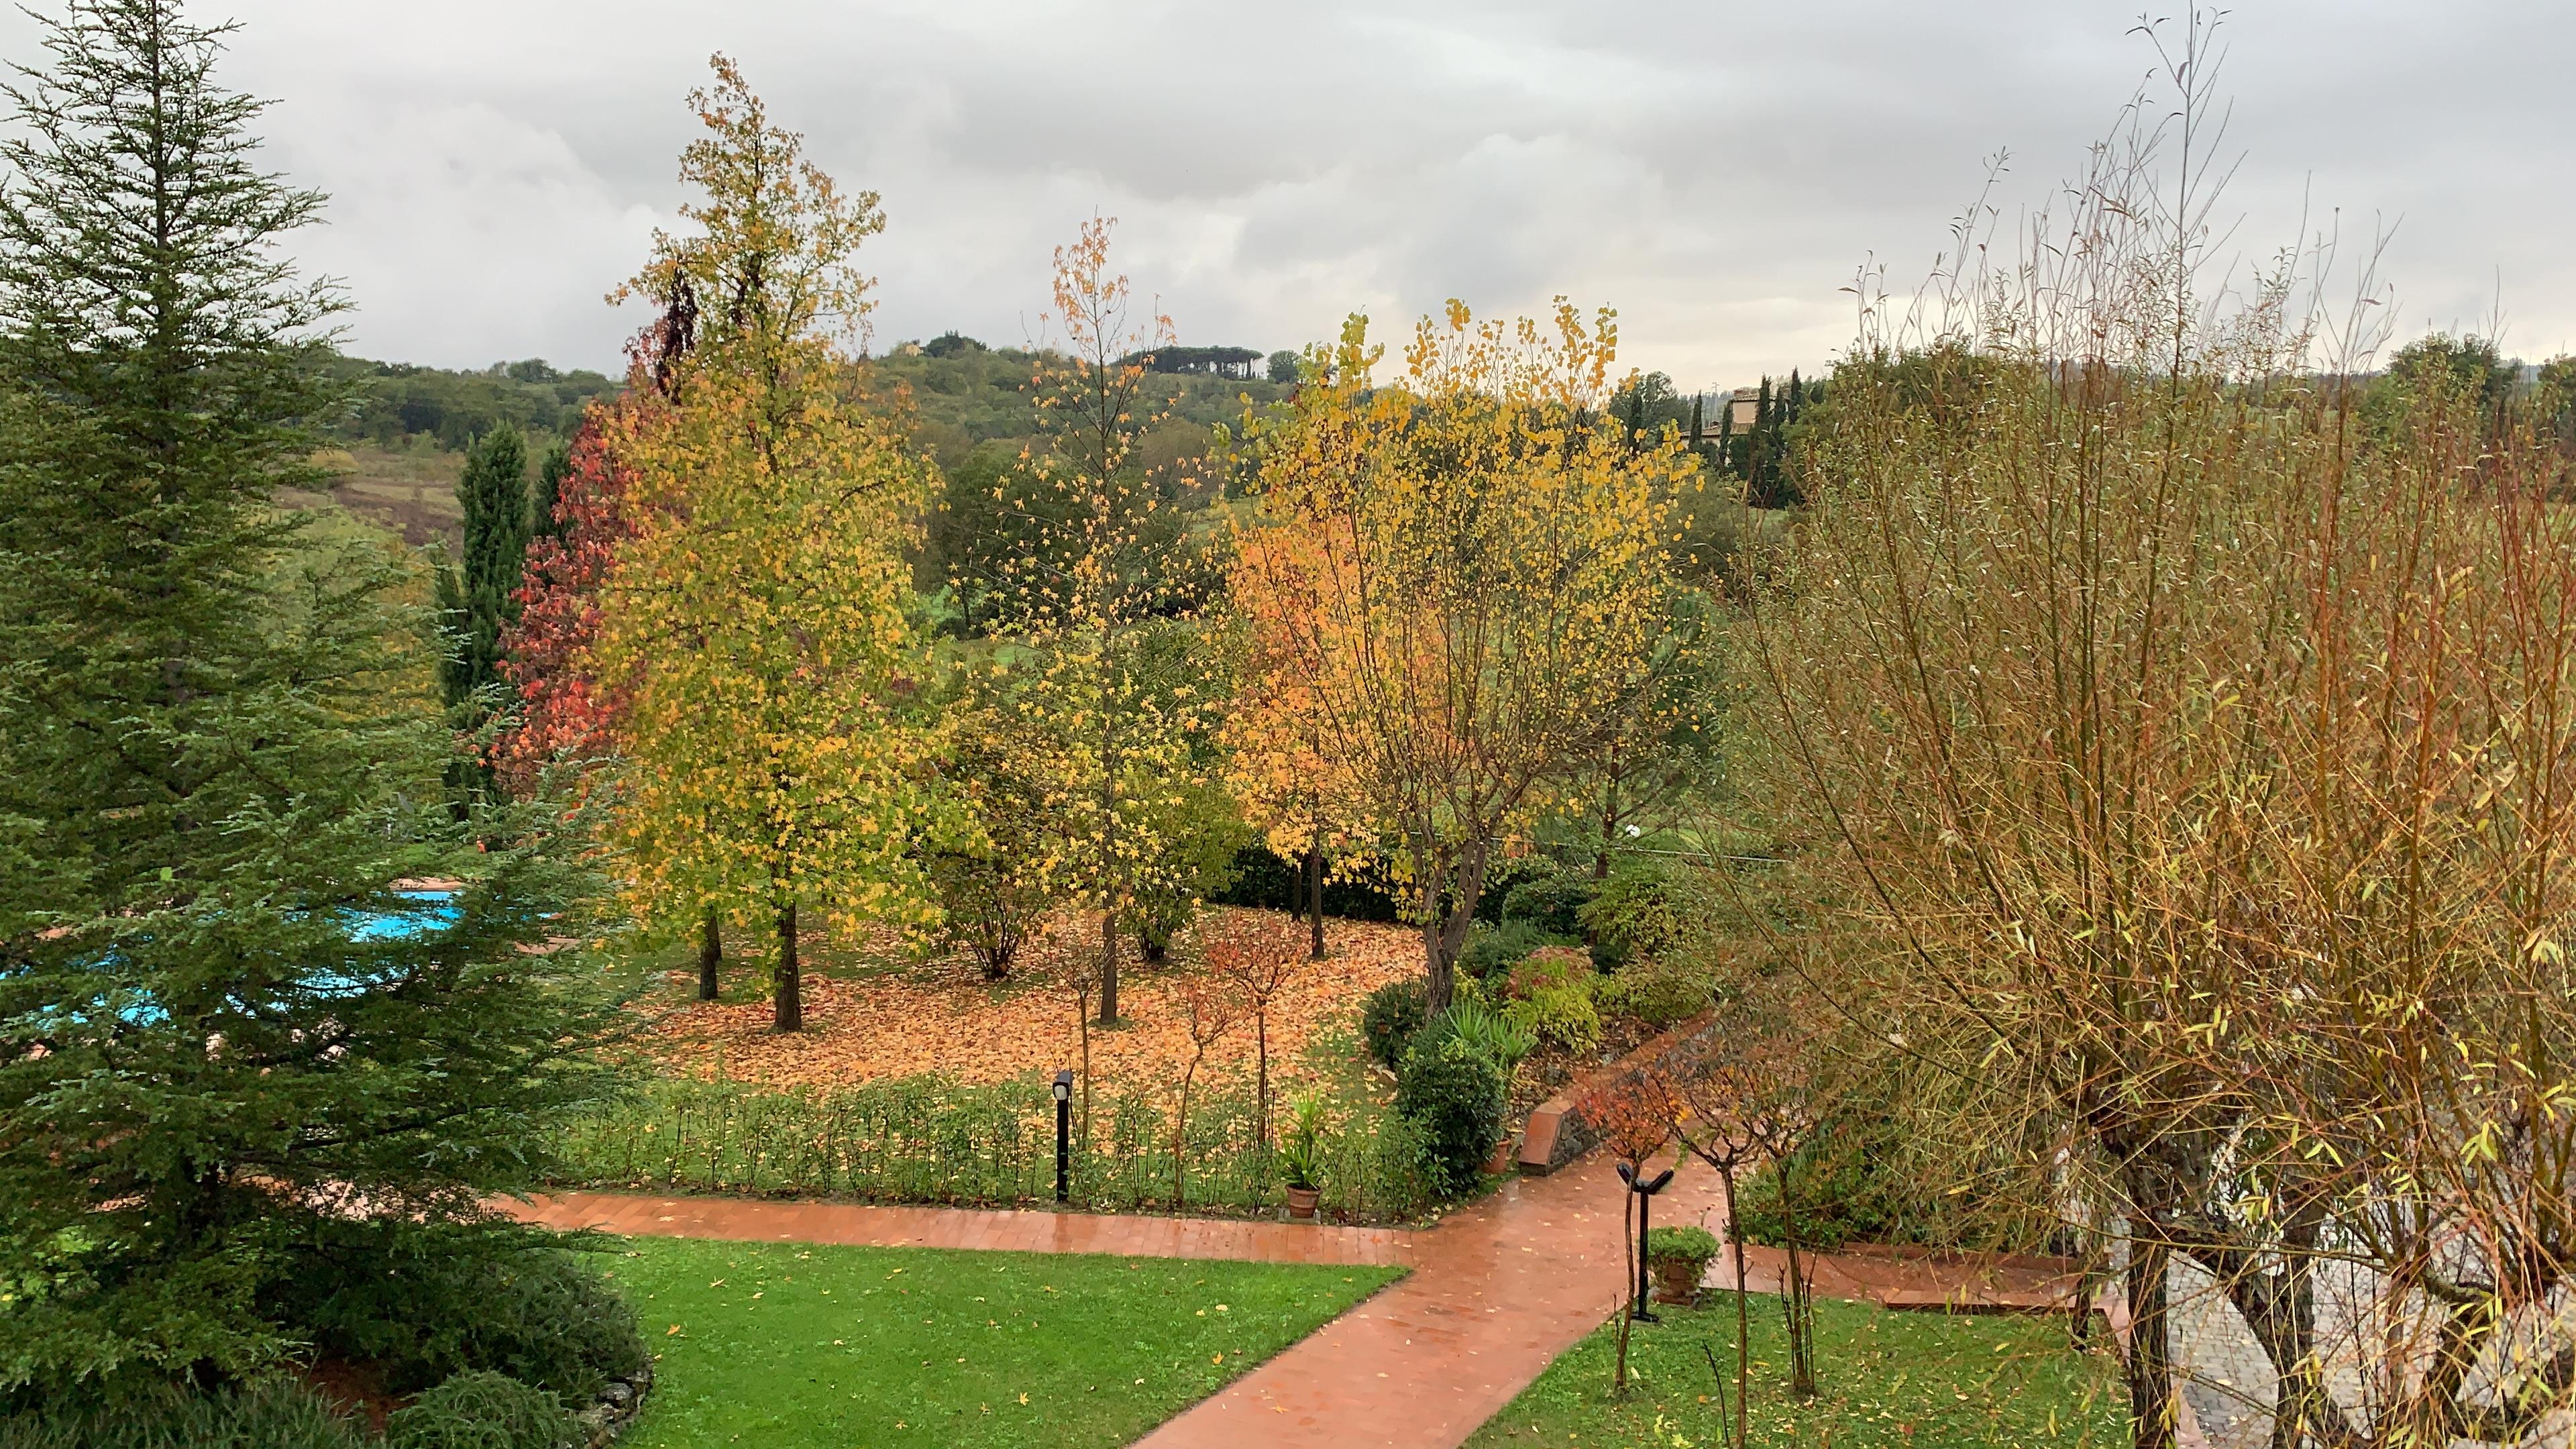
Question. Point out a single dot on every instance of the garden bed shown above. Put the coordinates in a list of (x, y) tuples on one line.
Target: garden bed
[(930, 1140)]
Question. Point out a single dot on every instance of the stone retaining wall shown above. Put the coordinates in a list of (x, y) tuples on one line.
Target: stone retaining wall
[(616, 1409), (1557, 1133)]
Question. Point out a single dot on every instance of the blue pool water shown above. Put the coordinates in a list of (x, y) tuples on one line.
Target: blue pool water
[(436, 912)]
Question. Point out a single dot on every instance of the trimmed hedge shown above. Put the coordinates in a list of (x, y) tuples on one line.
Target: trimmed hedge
[(930, 1140)]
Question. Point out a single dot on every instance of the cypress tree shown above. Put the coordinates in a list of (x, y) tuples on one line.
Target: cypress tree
[(542, 499), (1757, 452), (222, 1019), (494, 493)]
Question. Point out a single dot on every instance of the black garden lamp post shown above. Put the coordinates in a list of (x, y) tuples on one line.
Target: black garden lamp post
[(1064, 1131), (1645, 1191)]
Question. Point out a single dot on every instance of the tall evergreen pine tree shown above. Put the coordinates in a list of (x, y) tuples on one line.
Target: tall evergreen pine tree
[(217, 1027)]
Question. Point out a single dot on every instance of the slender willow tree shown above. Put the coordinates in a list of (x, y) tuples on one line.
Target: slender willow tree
[(2189, 756), (1458, 579), (218, 755), (756, 620)]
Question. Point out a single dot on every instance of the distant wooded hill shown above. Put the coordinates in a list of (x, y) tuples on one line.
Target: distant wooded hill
[(402, 446)]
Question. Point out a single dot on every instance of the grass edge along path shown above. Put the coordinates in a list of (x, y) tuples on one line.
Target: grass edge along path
[(1886, 1379), (792, 1344)]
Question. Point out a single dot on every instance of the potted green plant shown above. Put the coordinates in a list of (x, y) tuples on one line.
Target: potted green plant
[(1301, 1157), (1678, 1257)]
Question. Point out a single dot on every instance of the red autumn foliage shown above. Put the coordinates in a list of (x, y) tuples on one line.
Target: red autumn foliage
[(1634, 1114), (564, 712)]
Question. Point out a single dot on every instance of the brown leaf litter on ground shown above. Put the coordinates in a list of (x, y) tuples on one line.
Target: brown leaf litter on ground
[(867, 1021)]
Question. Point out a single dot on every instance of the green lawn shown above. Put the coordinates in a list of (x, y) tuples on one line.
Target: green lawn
[(787, 1345), (1903, 1380)]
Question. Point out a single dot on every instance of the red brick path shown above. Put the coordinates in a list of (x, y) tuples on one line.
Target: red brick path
[(1497, 1292)]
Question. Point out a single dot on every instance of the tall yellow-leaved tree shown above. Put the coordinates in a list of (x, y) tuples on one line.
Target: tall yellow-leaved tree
[(1114, 683), (759, 610), (1454, 580)]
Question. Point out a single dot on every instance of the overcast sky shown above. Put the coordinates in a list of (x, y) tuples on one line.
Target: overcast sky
[(1717, 171)]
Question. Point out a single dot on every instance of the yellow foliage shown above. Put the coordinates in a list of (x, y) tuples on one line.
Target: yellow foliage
[(1454, 582), (759, 611)]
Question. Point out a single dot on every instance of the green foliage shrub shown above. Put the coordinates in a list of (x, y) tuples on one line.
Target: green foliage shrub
[(1478, 1027), (1552, 902), (1501, 876), (1492, 951), (1301, 1149), (1658, 992), (1266, 880), (481, 1410), (430, 1304), (1552, 996), (274, 1413), (1393, 1014), (1455, 1099), (1847, 1187), (1695, 1245), (929, 1140), (1639, 912)]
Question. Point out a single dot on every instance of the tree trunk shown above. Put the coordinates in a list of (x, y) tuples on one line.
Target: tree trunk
[(1108, 968), (1445, 932), (1315, 896), (2151, 1412), (1802, 1349), (1743, 1311), (1261, 1079), (1181, 1140), (710, 956), (791, 981), (1627, 1286), (1439, 980), (1609, 823)]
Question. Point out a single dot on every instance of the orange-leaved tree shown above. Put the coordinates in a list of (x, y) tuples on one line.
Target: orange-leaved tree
[(757, 616), (1279, 768), (1456, 580), (1112, 674)]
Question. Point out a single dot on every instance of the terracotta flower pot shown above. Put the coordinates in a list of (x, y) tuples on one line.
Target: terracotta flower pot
[(1677, 1279), (1506, 1152), (1301, 1203)]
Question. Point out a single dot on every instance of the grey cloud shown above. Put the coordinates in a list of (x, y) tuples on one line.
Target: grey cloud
[(1716, 171)]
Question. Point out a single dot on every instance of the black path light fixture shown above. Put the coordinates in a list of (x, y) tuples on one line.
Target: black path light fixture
[(1645, 1189), (1064, 1133)]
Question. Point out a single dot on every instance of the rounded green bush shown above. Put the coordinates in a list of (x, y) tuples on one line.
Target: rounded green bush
[(1454, 1097), (480, 1409), (1493, 951), (1394, 1013), (1552, 903), (1681, 1245), (428, 1302)]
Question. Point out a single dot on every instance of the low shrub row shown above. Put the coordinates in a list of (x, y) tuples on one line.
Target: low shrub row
[(929, 1140), (477, 1409)]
